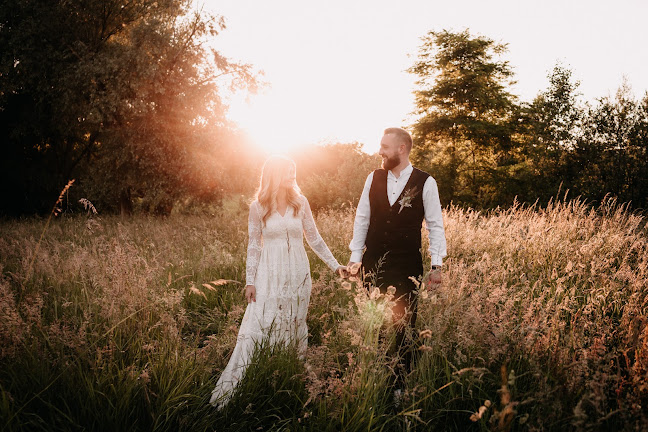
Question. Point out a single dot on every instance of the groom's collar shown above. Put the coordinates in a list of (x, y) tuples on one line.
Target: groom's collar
[(405, 171)]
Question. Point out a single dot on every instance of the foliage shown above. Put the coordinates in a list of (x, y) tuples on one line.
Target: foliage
[(612, 154), (463, 130), (540, 325), (548, 130), (594, 150), (126, 97), (557, 112), (486, 150), (122, 95)]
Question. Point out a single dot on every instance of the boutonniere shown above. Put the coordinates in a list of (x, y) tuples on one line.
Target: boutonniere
[(406, 200)]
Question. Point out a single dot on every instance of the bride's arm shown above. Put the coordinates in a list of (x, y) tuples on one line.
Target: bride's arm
[(315, 240), (255, 243)]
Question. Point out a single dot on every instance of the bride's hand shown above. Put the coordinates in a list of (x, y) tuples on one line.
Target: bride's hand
[(250, 293), (342, 271)]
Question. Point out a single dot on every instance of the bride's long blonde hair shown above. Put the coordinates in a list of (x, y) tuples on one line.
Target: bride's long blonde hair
[(275, 170)]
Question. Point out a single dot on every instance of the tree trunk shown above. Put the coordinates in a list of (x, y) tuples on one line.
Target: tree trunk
[(125, 203)]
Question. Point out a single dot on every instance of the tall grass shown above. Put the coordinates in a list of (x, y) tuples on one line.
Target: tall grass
[(114, 324)]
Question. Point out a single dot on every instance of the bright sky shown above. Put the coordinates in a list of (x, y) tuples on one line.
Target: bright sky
[(336, 68)]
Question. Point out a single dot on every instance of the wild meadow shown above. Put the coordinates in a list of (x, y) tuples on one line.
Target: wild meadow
[(541, 323)]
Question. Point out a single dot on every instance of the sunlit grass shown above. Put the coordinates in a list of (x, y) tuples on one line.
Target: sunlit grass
[(115, 324)]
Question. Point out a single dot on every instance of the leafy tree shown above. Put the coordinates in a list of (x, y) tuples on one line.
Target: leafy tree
[(557, 112), (549, 128), (612, 155), (123, 95), (463, 130)]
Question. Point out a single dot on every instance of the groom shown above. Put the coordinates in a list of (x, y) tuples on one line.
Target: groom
[(394, 202)]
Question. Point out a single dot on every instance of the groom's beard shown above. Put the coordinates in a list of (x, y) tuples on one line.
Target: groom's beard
[(389, 163)]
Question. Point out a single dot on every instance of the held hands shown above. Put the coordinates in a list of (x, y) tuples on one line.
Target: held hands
[(250, 293), (352, 269), (342, 272)]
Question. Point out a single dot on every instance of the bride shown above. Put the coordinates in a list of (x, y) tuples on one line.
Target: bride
[(278, 281)]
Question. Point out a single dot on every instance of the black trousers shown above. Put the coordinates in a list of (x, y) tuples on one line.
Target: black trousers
[(404, 311)]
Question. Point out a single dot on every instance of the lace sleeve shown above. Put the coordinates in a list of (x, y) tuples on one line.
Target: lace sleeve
[(314, 239), (255, 243)]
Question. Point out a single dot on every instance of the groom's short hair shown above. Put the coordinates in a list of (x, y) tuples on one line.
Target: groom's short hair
[(402, 135)]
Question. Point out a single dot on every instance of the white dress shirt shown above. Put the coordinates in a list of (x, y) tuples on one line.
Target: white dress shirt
[(395, 186)]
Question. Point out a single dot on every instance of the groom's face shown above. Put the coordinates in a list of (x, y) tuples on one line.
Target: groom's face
[(390, 151)]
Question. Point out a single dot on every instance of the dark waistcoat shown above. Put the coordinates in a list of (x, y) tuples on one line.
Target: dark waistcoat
[(394, 237)]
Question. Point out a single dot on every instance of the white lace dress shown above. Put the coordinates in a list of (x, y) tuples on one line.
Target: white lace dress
[(278, 267)]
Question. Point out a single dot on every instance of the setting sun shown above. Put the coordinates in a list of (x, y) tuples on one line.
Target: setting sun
[(266, 124), (280, 120)]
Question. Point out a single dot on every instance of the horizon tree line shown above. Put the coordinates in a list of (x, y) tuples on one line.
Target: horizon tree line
[(126, 97)]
